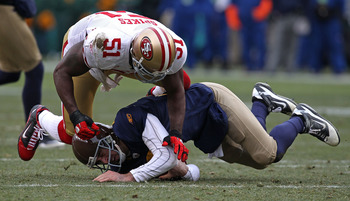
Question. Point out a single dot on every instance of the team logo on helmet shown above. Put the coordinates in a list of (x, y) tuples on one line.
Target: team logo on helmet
[(146, 48)]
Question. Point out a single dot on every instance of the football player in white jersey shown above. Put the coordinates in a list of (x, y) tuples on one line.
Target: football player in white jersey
[(124, 44)]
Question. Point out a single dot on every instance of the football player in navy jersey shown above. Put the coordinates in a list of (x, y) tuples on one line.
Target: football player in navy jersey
[(216, 120)]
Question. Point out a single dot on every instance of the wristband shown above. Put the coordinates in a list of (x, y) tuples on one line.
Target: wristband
[(76, 117), (175, 133)]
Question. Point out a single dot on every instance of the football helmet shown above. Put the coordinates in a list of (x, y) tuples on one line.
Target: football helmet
[(87, 151), (152, 52)]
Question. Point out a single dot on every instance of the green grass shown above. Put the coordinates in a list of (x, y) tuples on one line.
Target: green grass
[(310, 170)]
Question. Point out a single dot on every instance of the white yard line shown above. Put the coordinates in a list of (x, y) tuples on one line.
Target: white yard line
[(171, 186)]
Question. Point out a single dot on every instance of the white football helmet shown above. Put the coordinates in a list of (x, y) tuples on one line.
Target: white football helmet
[(152, 52)]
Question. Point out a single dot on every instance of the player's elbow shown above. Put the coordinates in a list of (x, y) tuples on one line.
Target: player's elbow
[(171, 161), (58, 71), (165, 159)]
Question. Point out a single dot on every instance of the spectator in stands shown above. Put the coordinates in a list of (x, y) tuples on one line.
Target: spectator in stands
[(250, 18)]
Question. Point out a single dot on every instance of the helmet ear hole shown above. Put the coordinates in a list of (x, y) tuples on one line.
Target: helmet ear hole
[(152, 52)]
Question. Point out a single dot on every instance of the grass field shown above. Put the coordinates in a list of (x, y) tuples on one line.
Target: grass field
[(311, 170)]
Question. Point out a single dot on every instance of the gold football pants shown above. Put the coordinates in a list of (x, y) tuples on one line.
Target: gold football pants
[(246, 142)]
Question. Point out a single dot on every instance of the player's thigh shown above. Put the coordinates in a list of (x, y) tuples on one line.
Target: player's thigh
[(234, 153), (19, 50), (243, 127)]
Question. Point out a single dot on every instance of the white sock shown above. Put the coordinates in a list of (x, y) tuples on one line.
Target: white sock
[(49, 122)]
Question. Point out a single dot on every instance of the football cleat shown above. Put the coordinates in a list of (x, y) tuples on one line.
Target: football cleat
[(316, 125), (274, 102), (32, 133)]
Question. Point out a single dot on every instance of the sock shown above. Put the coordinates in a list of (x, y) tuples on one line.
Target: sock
[(31, 94), (259, 109), (8, 77), (285, 134), (63, 134), (49, 122)]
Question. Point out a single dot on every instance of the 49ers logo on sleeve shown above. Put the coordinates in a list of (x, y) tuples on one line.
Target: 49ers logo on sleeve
[(146, 48)]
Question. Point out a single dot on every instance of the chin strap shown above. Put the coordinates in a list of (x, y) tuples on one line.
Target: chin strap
[(122, 155)]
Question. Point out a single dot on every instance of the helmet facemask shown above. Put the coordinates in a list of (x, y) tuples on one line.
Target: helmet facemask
[(109, 144), (142, 74)]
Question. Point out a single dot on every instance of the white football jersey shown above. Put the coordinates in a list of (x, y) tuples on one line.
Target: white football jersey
[(107, 38)]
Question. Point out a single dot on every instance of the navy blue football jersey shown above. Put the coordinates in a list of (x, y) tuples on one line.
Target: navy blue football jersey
[(205, 123)]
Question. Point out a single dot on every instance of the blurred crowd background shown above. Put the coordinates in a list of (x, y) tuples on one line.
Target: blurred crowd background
[(256, 35)]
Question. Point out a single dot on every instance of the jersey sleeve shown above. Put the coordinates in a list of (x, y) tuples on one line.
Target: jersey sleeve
[(163, 157)]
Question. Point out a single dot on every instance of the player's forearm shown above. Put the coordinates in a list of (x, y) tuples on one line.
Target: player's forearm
[(71, 65), (176, 108), (157, 166), (162, 161), (176, 101), (64, 88)]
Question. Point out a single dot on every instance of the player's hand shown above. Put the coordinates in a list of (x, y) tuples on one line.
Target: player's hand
[(84, 126), (114, 176), (174, 139)]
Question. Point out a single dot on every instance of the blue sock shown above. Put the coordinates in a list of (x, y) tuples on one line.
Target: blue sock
[(259, 109), (31, 94), (285, 134)]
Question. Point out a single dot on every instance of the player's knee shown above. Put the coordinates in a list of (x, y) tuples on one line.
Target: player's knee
[(263, 160), (259, 167)]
